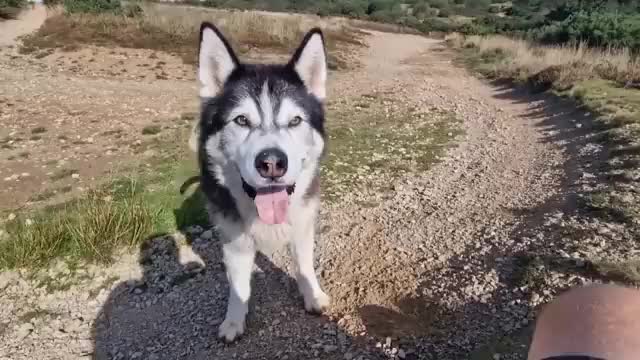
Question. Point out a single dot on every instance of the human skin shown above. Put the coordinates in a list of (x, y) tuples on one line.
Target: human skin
[(599, 321)]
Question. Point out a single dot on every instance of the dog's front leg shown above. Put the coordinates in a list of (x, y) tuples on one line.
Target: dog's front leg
[(239, 256), (315, 300)]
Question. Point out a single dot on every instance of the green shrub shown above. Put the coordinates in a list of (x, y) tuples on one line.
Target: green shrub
[(9, 9), (92, 6)]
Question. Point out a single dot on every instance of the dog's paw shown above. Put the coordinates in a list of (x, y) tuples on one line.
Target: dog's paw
[(230, 331), (317, 303)]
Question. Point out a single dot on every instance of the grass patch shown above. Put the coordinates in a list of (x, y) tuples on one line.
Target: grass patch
[(627, 271), (368, 149), (50, 193), (151, 130), (174, 29), (121, 214), (62, 173), (34, 314), (88, 229)]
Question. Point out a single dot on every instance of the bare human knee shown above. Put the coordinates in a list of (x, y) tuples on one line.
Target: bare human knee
[(600, 321)]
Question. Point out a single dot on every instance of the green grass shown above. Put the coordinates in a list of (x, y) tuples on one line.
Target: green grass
[(121, 214), (627, 271), (368, 150), (618, 105)]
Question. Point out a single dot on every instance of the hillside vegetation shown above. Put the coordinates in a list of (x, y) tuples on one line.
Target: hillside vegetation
[(598, 22)]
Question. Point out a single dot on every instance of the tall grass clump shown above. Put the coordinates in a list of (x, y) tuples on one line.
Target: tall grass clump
[(561, 65), (174, 29), (89, 229)]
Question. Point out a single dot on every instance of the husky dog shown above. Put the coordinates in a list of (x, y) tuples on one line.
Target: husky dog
[(261, 139)]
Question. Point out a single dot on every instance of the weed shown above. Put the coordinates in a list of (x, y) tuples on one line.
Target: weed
[(39, 130), (628, 271), (151, 130), (62, 173)]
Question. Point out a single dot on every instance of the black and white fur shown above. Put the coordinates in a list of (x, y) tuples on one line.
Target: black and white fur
[(269, 98)]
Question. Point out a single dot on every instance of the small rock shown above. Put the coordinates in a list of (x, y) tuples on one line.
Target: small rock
[(207, 235), (75, 176), (496, 356), (330, 348), (7, 278), (401, 354), (11, 217), (348, 356), (28, 222), (24, 330)]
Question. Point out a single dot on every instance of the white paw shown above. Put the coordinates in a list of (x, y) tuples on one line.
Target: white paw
[(230, 330), (317, 303)]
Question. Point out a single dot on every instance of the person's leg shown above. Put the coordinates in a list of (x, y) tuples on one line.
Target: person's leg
[(600, 321)]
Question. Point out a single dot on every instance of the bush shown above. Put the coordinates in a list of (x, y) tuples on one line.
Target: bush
[(9, 9), (92, 6)]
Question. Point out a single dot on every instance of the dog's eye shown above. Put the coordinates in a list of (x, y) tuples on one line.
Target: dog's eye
[(241, 120), (295, 121)]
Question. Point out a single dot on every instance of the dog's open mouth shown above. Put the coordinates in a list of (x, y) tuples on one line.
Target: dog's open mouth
[(271, 202)]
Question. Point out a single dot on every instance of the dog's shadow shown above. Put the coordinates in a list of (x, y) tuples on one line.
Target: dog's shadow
[(174, 309)]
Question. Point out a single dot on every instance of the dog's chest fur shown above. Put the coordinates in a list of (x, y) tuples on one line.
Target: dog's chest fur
[(268, 238)]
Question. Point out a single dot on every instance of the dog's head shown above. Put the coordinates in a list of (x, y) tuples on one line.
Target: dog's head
[(262, 125)]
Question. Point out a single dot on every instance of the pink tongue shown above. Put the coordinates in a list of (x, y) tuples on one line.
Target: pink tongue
[(272, 207)]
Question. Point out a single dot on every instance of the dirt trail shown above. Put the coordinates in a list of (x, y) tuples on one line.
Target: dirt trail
[(428, 270), (28, 21)]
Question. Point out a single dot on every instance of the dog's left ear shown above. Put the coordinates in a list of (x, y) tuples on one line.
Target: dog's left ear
[(310, 62)]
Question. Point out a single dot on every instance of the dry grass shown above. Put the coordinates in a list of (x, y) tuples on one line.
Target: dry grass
[(560, 66), (174, 29)]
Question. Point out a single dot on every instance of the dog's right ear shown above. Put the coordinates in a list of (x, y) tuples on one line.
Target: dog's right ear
[(216, 60)]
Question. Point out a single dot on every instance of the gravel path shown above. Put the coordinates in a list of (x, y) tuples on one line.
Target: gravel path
[(445, 265)]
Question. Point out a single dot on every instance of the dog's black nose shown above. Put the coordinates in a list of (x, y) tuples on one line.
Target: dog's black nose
[(271, 163)]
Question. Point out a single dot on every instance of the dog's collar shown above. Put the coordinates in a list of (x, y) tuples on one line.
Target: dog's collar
[(251, 191)]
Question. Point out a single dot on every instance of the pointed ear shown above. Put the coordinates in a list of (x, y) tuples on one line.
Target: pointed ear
[(216, 60), (310, 62)]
